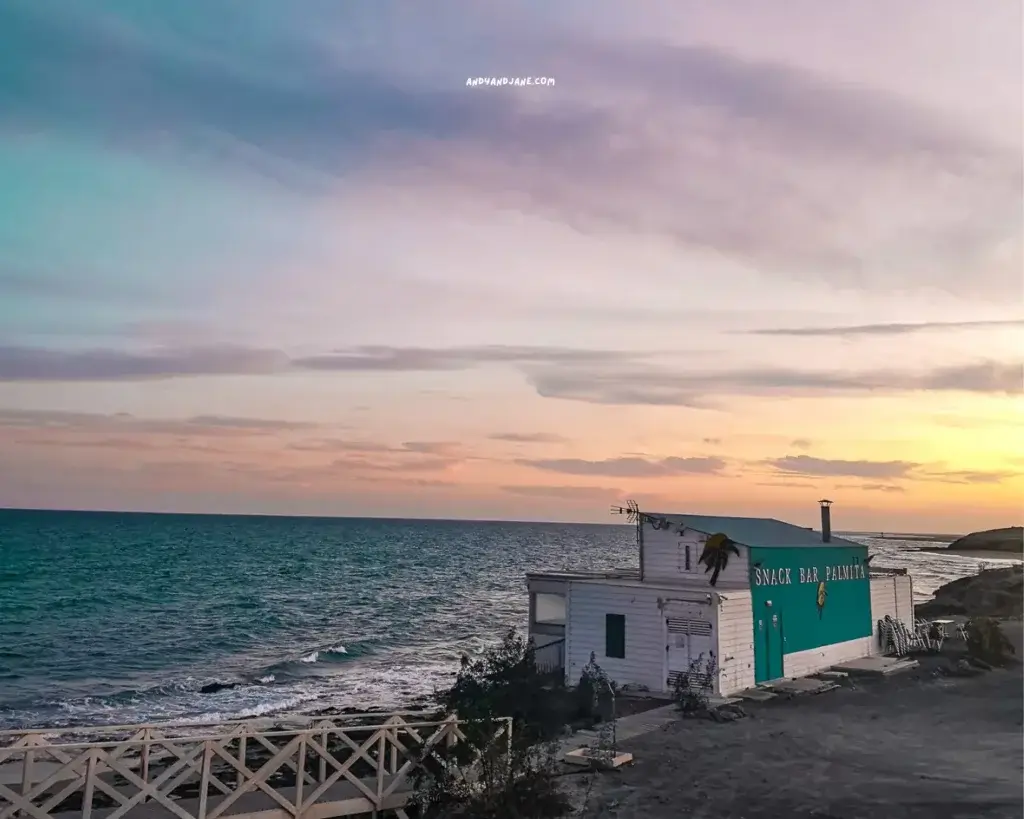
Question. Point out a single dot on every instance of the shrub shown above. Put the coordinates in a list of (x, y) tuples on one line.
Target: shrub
[(693, 687), (491, 777), (986, 641), (484, 779), (595, 694), (505, 682)]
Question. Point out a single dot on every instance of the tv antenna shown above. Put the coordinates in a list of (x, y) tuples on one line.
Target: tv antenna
[(631, 510)]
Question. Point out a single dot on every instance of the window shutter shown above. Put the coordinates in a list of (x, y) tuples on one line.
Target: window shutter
[(615, 635)]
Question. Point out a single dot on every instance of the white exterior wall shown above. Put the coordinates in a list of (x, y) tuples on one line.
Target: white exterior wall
[(664, 559), (645, 663), (804, 663), (735, 642), (890, 595)]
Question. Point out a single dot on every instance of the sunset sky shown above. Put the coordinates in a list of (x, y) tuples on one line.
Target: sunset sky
[(278, 258)]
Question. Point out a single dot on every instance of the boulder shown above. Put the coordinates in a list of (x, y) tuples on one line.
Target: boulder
[(1010, 539), (992, 593)]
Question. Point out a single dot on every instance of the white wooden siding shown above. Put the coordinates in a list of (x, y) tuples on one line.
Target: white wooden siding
[(735, 642), (587, 605), (893, 596), (803, 663), (645, 607), (664, 559)]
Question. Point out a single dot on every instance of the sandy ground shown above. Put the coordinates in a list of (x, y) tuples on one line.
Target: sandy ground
[(918, 745)]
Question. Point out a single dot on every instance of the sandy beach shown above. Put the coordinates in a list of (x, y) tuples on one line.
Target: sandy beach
[(921, 745)]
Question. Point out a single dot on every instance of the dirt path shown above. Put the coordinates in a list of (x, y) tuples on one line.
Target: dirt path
[(916, 747)]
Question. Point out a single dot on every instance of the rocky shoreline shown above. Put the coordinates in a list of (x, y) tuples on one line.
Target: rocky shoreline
[(990, 593)]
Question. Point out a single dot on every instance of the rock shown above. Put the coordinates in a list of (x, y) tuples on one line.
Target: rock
[(727, 713), (992, 593), (1010, 539), (966, 669), (214, 687)]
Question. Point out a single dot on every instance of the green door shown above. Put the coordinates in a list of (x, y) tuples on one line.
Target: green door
[(775, 647), (768, 645)]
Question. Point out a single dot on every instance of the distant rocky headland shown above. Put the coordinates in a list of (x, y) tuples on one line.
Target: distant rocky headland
[(1010, 539)]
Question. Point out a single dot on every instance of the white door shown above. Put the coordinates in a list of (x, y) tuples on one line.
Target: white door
[(687, 640)]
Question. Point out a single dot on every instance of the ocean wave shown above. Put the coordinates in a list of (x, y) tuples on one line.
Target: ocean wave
[(325, 654), (274, 688)]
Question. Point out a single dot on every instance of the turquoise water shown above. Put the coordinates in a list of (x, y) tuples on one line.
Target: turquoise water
[(119, 618)]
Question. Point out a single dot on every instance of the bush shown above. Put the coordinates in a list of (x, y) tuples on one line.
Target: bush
[(505, 682), (493, 778), (986, 641), (595, 694), (483, 779), (693, 687)]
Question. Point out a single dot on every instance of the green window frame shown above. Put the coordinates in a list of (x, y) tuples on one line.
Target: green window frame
[(615, 636)]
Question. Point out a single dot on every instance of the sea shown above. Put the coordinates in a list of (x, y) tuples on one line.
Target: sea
[(112, 618)]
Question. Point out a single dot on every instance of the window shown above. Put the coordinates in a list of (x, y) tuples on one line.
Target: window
[(615, 636), (689, 567), (549, 609)]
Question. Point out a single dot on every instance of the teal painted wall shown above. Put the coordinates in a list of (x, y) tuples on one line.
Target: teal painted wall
[(790, 579)]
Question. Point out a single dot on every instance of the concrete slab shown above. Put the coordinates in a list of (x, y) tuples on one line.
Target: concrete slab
[(718, 702), (626, 727), (756, 695), (803, 685), (833, 676), (876, 666)]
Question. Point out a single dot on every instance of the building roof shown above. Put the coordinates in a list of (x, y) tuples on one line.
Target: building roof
[(757, 532), (570, 574)]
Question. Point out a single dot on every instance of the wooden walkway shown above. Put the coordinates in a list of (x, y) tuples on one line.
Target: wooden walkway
[(322, 769)]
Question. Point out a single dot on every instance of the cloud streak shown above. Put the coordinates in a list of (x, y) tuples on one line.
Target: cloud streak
[(529, 437), (592, 376), (38, 364), (885, 329), (662, 387), (824, 467), (629, 467), (423, 359), (875, 471), (199, 425)]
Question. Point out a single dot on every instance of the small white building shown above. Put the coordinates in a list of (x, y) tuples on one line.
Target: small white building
[(785, 601)]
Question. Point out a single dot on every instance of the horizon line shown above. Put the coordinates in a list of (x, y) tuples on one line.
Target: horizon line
[(867, 533)]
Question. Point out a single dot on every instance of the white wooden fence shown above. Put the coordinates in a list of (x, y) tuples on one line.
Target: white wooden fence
[(242, 770)]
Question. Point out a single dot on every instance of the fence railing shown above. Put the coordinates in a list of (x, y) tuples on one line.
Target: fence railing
[(328, 768), (550, 657)]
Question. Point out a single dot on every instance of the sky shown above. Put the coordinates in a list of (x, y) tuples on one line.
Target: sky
[(721, 258)]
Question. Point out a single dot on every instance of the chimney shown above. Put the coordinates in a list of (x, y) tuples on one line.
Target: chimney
[(826, 521)]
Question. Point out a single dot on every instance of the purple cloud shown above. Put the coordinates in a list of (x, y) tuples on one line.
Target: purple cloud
[(528, 438), (645, 121), (37, 364), (629, 467), (663, 387), (807, 465)]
